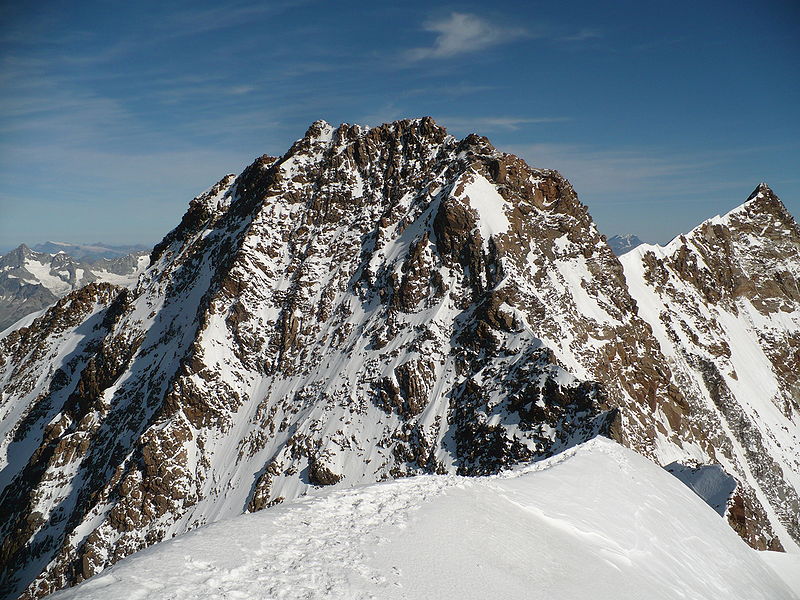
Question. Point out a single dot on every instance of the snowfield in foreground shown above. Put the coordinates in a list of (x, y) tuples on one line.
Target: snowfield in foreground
[(598, 521)]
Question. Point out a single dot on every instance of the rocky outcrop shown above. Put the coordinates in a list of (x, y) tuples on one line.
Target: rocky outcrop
[(376, 303)]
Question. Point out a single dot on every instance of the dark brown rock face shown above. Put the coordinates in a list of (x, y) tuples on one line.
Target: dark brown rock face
[(375, 303), (747, 518)]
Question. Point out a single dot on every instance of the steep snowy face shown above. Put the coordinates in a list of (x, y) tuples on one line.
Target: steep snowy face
[(31, 281), (373, 304), (724, 303)]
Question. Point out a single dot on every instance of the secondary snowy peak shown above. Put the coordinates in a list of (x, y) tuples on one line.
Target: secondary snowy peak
[(375, 303), (620, 244), (724, 303), (560, 528), (750, 252)]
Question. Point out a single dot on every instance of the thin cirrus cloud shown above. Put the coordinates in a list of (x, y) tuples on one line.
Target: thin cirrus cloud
[(462, 33), (603, 172), (196, 20), (476, 124), (582, 35)]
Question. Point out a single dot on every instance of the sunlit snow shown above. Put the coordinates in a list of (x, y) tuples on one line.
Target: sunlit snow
[(597, 522)]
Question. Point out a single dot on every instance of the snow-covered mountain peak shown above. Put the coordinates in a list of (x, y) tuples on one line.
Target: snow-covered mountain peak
[(18, 254), (761, 206), (375, 303), (762, 215), (318, 127), (762, 189)]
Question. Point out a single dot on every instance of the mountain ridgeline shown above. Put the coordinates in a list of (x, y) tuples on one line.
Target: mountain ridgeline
[(384, 302)]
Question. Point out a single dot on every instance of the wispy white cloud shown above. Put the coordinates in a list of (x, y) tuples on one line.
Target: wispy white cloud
[(605, 170), (639, 176), (384, 114), (582, 35), (456, 89), (485, 124), (197, 90), (462, 33), (239, 90), (659, 43), (92, 195), (202, 20), (42, 108)]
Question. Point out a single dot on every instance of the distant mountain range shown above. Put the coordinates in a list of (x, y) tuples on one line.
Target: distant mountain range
[(89, 252), (32, 280)]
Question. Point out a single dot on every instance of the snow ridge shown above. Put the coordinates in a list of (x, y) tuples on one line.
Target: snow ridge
[(561, 529)]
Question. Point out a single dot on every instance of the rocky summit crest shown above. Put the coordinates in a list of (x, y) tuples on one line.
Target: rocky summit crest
[(375, 303)]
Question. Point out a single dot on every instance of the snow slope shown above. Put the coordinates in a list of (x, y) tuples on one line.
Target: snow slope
[(598, 521)]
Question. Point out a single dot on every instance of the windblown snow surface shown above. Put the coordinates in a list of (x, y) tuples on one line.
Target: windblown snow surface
[(597, 521)]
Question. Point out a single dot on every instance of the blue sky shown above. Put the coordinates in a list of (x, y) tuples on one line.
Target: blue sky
[(113, 115)]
